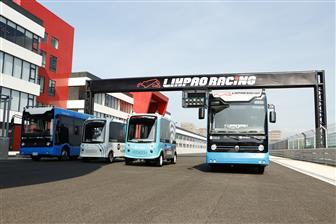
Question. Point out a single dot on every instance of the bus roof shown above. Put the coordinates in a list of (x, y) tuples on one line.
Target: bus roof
[(105, 119), (57, 110)]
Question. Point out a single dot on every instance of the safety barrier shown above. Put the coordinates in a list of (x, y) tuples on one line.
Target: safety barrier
[(323, 156), (182, 150)]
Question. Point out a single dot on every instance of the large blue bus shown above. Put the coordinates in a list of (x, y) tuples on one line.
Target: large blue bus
[(150, 137), (51, 132), (238, 128)]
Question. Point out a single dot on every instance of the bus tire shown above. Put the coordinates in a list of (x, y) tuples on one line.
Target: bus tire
[(64, 154), (35, 158), (174, 159), (110, 157), (128, 161), (260, 169), (73, 157), (159, 160), (212, 167)]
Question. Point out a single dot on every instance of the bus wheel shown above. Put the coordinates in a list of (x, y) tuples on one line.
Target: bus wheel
[(174, 159), (64, 155), (159, 160), (36, 158), (260, 169), (212, 167), (110, 157), (128, 161)]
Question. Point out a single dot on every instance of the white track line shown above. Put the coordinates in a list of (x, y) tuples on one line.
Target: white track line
[(318, 171)]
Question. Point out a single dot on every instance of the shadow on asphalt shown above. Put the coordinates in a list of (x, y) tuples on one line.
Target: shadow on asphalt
[(23, 172), (232, 169), (149, 164)]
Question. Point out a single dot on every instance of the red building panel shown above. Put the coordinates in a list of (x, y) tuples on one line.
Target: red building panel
[(150, 102)]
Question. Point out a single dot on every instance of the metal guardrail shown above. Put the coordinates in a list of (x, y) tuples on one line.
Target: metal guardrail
[(323, 156), (307, 139)]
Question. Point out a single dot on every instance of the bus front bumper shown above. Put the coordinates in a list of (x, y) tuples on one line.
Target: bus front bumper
[(39, 151), (237, 158)]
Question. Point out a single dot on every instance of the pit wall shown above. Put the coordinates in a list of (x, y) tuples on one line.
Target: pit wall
[(182, 151), (322, 156)]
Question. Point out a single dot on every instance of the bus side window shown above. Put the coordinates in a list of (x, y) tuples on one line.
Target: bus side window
[(122, 133), (76, 130), (165, 130)]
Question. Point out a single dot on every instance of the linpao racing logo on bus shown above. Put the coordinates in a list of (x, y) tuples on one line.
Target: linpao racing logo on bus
[(237, 80)]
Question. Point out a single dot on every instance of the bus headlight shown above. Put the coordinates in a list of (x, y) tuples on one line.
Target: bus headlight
[(48, 143), (261, 148), (22, 144), (213, 147)]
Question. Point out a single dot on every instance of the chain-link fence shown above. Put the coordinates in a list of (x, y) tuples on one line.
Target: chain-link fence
[(306, 140)]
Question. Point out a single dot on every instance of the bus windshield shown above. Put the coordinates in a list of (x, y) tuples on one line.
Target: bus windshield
[(37, 126), (94, 132), (238, 118), (142, 129)]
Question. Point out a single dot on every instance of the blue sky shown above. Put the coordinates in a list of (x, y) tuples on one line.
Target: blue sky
[(149, 38)]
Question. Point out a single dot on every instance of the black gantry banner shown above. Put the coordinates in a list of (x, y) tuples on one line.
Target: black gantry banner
[(206, 81)]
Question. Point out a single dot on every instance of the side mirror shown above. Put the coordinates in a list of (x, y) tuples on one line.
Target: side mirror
[(201, 113), (272, 116)]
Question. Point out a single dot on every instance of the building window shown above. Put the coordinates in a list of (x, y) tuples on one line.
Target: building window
[(53, 63), (31, 100), (44, 58), (8, 65), (20, 36), (29, 40), (17, 68), (15, 100), (23, 101), (2, 26), (40, 81), (33, 72), (10, 31), (6, 92), (51, 88), (98, 98), (54, 42), (25, 71), (1, 60), (76, 92), (17, 34), (35, 43), (45, 38)]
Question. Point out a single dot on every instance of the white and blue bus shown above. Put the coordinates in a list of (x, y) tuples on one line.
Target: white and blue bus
[(51, 132), (238, 128), (150, 137)]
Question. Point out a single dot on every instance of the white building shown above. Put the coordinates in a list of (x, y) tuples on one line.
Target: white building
[(20, 34), (113, 105)]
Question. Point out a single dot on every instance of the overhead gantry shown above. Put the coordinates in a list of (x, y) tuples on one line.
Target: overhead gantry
[(265, 80)]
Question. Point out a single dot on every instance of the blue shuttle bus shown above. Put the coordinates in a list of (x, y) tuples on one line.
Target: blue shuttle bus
[(238, 128), (150, 137), (51, 132)]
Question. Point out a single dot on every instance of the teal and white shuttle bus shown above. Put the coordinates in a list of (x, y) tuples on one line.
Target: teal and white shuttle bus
[(150, 137)]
